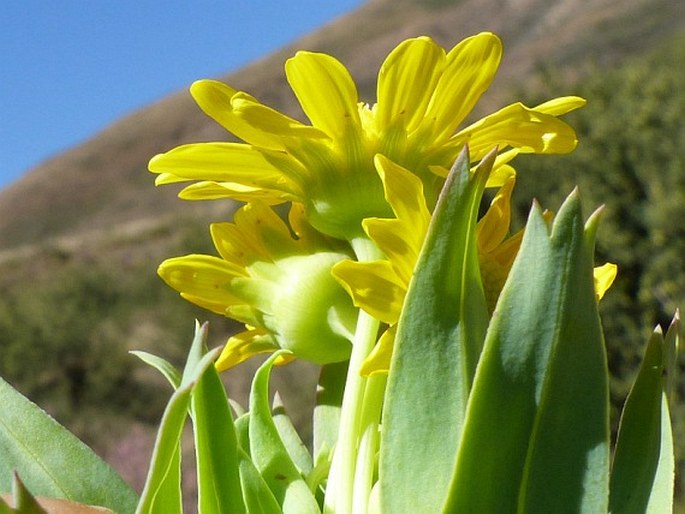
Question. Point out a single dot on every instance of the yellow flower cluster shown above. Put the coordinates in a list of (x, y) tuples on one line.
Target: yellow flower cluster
[(356, 172)]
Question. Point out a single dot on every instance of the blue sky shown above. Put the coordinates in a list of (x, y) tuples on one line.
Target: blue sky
[(69, 68)]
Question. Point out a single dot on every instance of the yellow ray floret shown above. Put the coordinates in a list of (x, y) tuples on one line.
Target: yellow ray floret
[(424, 94), (276, 280)]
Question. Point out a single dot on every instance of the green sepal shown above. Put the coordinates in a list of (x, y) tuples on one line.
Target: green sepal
[(52, 461), (268, 452), (642, 476), (438, 342), (536, 435)]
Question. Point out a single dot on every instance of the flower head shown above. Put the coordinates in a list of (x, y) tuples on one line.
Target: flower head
[(280, 286), (423, 96)]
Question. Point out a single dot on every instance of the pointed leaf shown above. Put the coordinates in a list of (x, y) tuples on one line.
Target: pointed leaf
[(167, 369), (258, 497), (216, 447), (438, 341), (269, 453), (642, 476), (40, 450), (291, 439), (162, 492), (537, 419)]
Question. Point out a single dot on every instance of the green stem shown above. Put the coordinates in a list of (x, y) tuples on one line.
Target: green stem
[(368, 444), (341, 479)]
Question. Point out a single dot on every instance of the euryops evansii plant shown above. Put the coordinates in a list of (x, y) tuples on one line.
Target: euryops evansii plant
[(463, 367)]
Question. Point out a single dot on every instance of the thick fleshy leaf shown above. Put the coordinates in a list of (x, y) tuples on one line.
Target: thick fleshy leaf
[(51, 461), (325, 90), (258, 496), (406, 82), (642, 476), (162, 491), (167, 369), (536, 434), (291, 439), (269, 454), (438, 341), (216, 448), (470, 68)]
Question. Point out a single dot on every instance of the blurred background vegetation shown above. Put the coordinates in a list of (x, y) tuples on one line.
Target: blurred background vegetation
[(77, 273)]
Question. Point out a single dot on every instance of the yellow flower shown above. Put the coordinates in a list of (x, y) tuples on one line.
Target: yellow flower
[(281, 287), (379, 287), (423, 96)]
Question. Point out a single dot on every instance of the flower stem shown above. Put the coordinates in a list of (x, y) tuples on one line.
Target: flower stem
[(354, 419), (368, 444)]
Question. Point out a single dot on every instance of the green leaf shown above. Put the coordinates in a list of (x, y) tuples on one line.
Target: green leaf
[(258, 497), (438, 342), (162, 492), (642, 476), (24, 501), (536, 435), (269, 453), (291, 439), (52, 461), (163, 366), (216, 447)]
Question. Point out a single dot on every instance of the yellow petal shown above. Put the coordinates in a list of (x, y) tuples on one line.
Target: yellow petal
[(403, 191), (493, 227), (604, 277), (520, 127), (378, 361), (325, 90), (257, 233), (400, 239), (224, 162), (561, 105), (208, 190), (271, 121), (469, 71), (203, 280), (406, 82), (214, 98), (373, 286), (244, 345)]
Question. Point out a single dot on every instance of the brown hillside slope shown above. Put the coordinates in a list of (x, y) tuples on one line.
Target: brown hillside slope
[(88, 190)]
